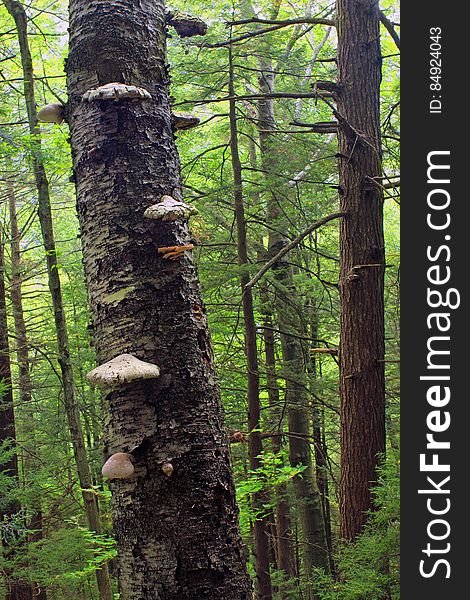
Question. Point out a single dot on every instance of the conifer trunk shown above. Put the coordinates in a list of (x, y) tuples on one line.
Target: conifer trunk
[(284, 546), (22, 354), (255, 444), (15, 589), (315, 547), (362, 387)]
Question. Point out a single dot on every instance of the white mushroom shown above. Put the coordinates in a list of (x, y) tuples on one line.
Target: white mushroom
[(125, 368), (51, 113), (169, 209), (118, 466), (117, 91)]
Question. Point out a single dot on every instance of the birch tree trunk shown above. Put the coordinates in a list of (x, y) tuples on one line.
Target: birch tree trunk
[(362, 386), (177, 535)]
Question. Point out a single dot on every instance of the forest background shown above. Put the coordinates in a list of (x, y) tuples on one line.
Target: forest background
[(288, 150)]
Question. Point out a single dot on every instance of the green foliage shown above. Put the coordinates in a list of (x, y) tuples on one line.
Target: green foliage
[(274, 472), (63, 561), (303, 180), (369, 567)]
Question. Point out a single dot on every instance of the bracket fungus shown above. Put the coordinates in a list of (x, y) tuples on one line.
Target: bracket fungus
[(117, 91), (125, 368), (237, 437), (167, 469), (182, 121), (118, 466), (186, 25), (51, 113), (169, 209), (174, 252)]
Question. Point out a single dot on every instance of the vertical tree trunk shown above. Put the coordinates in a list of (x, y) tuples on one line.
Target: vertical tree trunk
[(22, 353), (15, 590), (285, 550), (177, 535), (45, 219), (315, 548), (255, 446), (362, 258), (321, 450)]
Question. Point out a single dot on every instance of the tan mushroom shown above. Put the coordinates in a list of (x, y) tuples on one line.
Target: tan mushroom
[(116, 91), (51, 113), (169, 209), (118, 466), (167, 469), (125, 368), (186, 25), (184, 121)]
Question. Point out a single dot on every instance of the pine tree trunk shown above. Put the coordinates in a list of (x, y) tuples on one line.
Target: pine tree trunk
[(22, 353), (315, 548), (318, 434), (16, 295), (177, 535), (45, 219), (255, 445), (362, 259), (284, 549), (15, 590)]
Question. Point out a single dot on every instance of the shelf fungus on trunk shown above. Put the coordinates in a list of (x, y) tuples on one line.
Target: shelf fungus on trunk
[(169, 209), (174, 252), (115, 92), (186, 25), (125, 368), (118, 466), (51, 113), (236, 437), (181, 121)]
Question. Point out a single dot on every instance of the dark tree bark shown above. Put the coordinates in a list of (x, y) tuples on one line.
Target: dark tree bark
[(177, 535), (15, 590), (362, 388), (255, 444), (45, 219)]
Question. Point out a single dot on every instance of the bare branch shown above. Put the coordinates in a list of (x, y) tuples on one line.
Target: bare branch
[(292, 245), (258, 97), (390, 28), (285, 22)]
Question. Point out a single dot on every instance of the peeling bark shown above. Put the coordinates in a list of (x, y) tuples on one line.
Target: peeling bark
[(177, 535)]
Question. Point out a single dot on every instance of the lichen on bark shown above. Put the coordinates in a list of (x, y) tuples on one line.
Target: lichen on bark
[(177, 536)]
